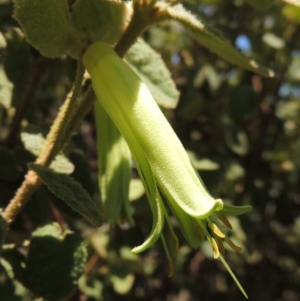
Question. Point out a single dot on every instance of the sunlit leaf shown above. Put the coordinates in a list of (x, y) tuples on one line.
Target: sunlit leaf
[(214, 41), (148, 64), (34, 142), (47, 25)]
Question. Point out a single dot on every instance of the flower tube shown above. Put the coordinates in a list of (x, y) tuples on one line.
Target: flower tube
[(162, 162)]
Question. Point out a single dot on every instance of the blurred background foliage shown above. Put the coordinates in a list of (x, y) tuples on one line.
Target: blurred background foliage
[(241, 130)]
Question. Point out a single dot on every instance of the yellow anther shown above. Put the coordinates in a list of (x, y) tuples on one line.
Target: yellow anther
[(232, 245), (216, 230), (221, 246), (214, 247), (225, 221)]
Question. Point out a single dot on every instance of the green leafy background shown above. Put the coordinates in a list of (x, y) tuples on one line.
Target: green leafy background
[(240, 128)]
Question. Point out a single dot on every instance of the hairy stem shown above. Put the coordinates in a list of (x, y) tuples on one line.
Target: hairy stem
[(143, 16), (53, 141), (79, 113), (51, 147)]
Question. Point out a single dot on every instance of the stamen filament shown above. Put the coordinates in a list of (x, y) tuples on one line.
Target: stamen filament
[(225, 221), (232, 245)]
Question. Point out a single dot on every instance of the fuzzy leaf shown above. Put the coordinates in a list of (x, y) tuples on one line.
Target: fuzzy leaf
[(56, 259), (47, 25), (100, 20), (71, 193), (34, 142), (216, 43), (150, 67)]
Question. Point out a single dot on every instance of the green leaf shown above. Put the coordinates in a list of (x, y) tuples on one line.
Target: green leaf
[(8, 168), (47, 25), (261, 4), (34, 142), (82, 172), (214, 41), (150, 67), (71, 193), (100, 21), (17, 61), (56, 260)]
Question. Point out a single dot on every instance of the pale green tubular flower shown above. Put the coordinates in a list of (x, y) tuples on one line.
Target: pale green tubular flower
[(161, 160), (114, 168)]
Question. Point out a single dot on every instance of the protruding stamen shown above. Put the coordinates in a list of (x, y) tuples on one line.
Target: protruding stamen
[(225, 221), (221, 246), (232, 245), (216, 230), (233, 276), (214, 246)]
